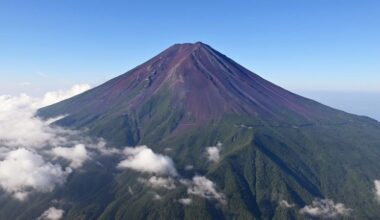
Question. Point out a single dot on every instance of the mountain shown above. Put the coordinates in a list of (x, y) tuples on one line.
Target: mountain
[(185, 87), (277, 153)]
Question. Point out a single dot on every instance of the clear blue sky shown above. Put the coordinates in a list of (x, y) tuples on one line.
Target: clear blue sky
[(321, 45)]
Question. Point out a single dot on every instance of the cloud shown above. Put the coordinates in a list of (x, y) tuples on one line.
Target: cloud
[(57, 96), (23, 170), (130, 190), (213, 152), (52, 214), (185, 201), (377, 190), (18, 125), (22, 134), (325, 208), (201, 186), (143, 159), (189, 167), (101, 147), (160, 182), (156, 196), (77, 154), (286, 204), (167, 149)]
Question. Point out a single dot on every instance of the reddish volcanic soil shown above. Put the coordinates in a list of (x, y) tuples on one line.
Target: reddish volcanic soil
[(207, 83)]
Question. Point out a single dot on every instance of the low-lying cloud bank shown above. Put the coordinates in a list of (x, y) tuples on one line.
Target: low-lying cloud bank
[(325, 208), (30, 146), (20, 127), (143, 159), (22, 171), (37, 156)]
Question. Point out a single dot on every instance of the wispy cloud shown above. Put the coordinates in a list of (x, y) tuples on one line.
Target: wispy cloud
[(159, 182), (52, 214), (286, 204), (156, 196), (189, 167), (41, 74), (203, 187), (325, 208)]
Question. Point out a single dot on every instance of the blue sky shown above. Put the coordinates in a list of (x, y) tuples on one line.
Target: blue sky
[(303, 45)]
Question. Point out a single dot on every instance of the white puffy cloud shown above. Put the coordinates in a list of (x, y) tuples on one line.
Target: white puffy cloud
[(57, 96), (23, 170), (143, 159), (213, 152), (77, 154), (160, 182), (325, 208), (377, 190), (185, 201), (22, 134), (52, 214), (286, 204), (18, 125), (201, 186)]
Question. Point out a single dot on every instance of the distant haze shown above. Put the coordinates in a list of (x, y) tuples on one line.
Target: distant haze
[(360, 103), (355, 102)]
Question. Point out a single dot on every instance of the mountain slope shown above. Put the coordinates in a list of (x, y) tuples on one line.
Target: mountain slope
[(186, 86), (276, 145)]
